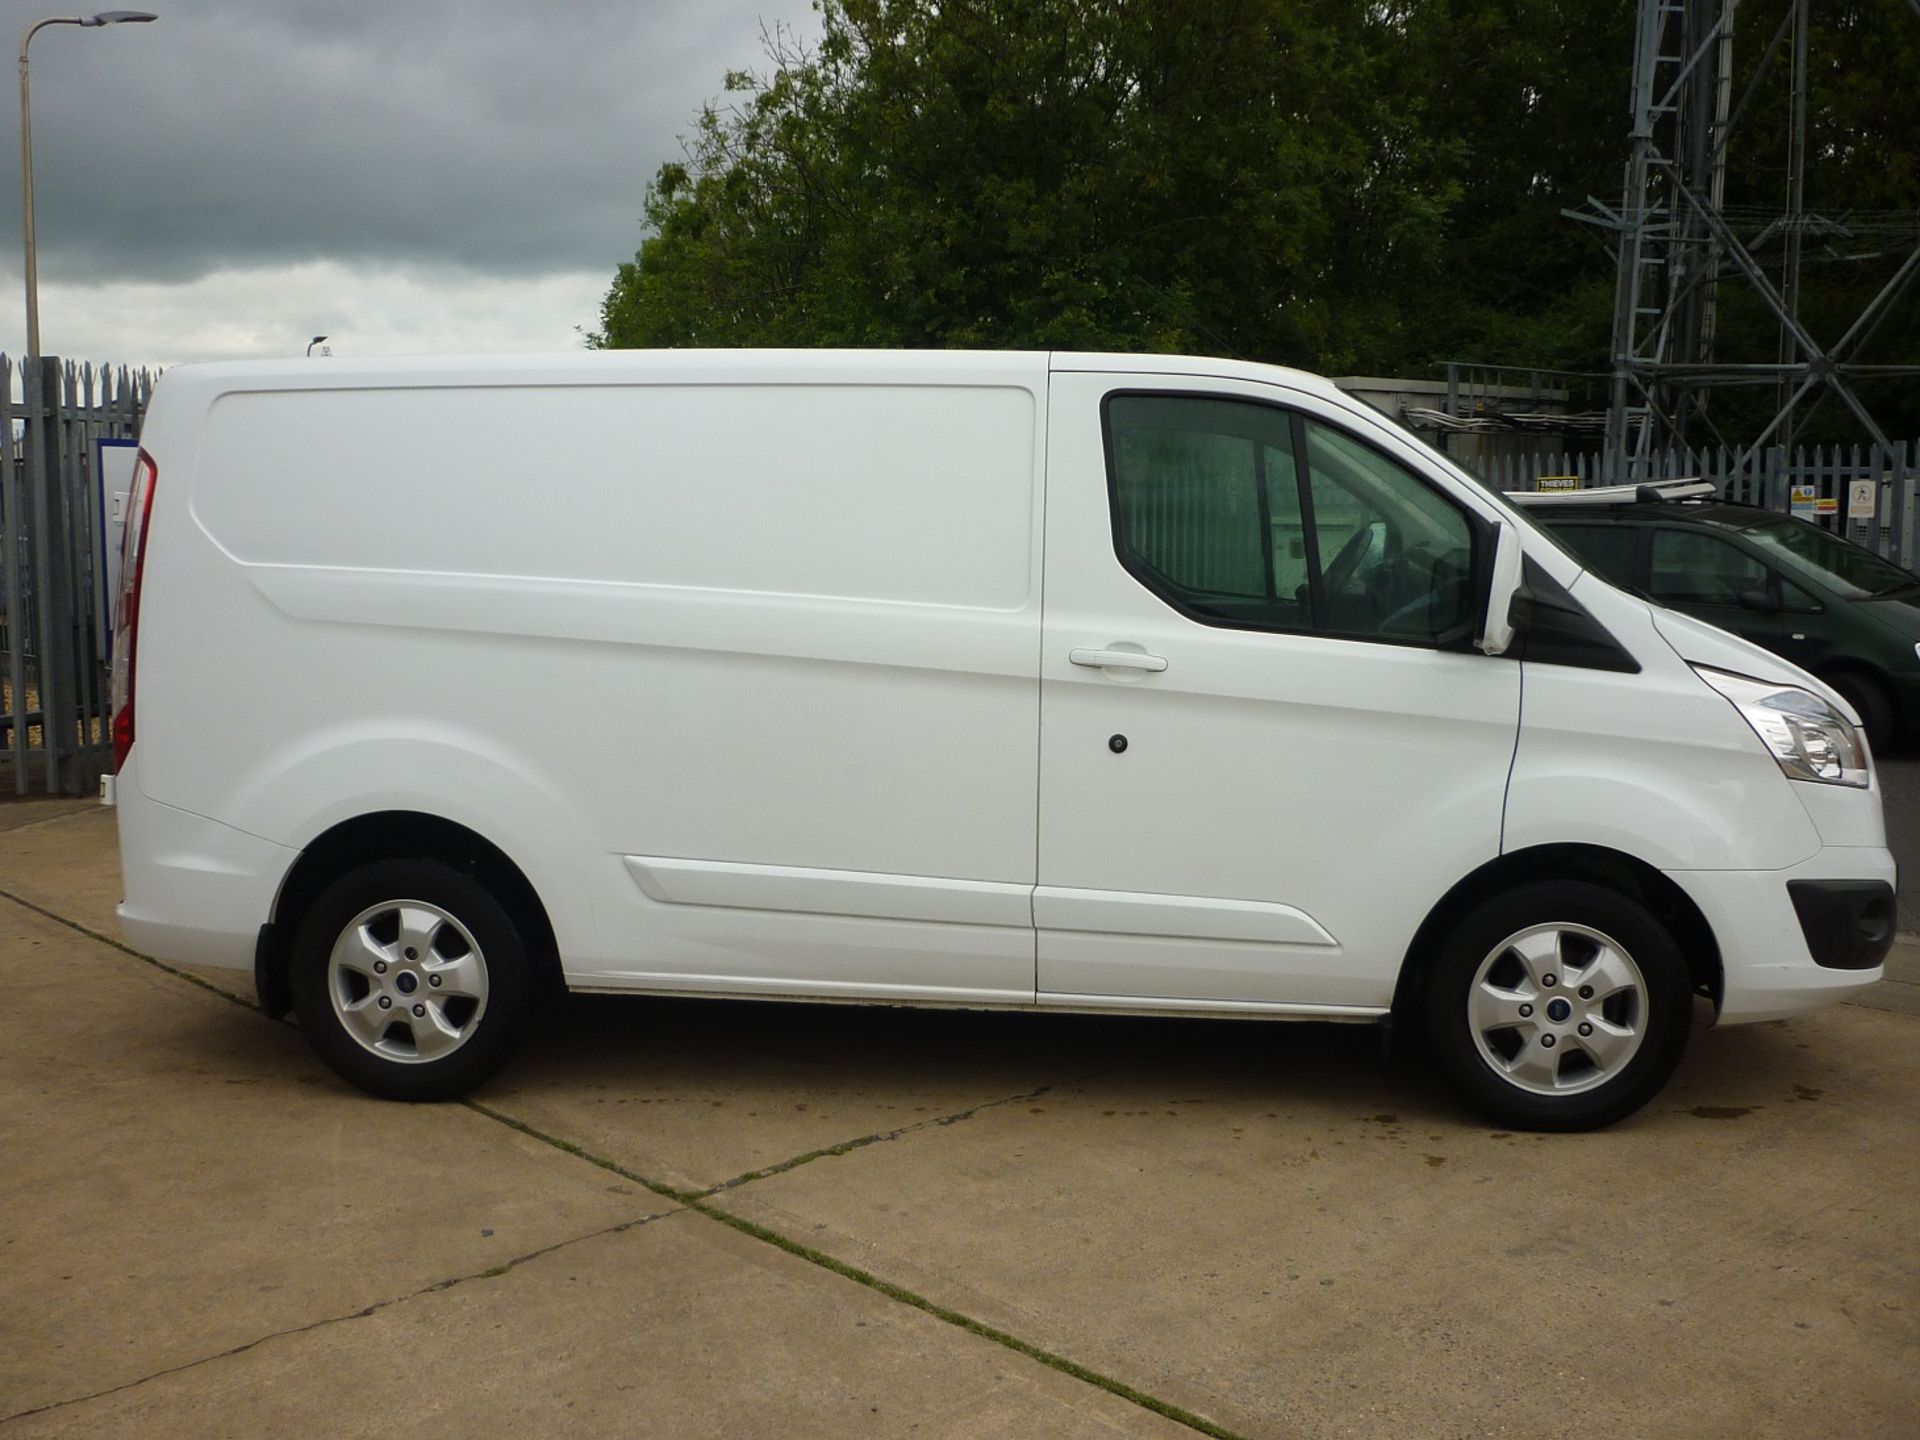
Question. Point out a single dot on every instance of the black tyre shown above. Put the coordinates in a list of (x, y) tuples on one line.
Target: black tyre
[(1870, 702), (410, 979), (1560, 1005)]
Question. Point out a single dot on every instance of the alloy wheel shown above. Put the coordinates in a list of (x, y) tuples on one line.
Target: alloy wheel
[(1556, 1009), (407, 981)]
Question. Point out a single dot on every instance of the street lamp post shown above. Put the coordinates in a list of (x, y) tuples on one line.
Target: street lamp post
[(105, 17), (58, 676)]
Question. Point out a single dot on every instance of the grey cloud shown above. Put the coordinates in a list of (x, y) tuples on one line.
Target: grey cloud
[(508, 138)]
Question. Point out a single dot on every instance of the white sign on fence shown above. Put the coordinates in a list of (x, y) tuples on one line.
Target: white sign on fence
[(1861, 496), (1802, 499), (113, 473)]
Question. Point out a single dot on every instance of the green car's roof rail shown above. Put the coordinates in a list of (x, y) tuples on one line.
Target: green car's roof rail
[(1617, 494)]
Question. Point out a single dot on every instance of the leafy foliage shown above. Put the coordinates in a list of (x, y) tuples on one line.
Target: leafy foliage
[(1350, 185)]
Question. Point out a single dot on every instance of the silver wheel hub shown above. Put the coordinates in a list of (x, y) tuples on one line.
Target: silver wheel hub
[(407, 981), (1556, 1009)]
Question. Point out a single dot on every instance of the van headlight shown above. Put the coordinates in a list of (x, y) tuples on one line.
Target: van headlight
[(1810, 739)]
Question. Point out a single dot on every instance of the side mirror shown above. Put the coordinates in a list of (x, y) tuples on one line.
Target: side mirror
[(1497, 628), (1761, 599)]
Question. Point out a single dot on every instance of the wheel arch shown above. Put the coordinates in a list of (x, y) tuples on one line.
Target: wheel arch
[(387, 835), (1615, 869)]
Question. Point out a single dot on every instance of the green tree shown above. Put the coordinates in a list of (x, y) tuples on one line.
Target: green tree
[(1348, 185), (1173, 174), (1533, 97)]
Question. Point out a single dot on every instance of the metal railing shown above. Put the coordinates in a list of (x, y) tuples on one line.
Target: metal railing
[(1820, 482), (55, 729)]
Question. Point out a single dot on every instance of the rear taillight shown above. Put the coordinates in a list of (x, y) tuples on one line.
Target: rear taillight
[(126, 605)]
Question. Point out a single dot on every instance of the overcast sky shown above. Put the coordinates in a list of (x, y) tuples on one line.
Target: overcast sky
[(401, 175)]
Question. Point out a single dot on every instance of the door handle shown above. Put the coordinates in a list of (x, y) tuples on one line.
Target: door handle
[(1116, 660)]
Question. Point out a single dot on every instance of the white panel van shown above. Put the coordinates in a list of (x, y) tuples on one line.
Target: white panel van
[(1074, 682)]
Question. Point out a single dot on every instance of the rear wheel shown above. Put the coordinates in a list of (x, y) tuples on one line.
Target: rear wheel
[(410, 979), (1559, 1006)]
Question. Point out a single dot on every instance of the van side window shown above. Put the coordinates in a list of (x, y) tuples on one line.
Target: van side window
[(1691, 568), (1213, 512), (1207, 507), (1396, 557)]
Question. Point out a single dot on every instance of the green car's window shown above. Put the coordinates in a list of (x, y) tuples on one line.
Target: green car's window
[(1844, 566), (1796, 601), (1608, 550), (1691, 568)]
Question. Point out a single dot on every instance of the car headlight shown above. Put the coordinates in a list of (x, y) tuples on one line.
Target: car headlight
[(1810, 739)]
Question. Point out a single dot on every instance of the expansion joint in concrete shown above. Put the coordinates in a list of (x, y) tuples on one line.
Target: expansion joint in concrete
[(492, 1272), (700, 1203), (126, 949), (879, 1137)]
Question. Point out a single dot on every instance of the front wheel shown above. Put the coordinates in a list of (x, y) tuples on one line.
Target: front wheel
[(1559, 1006), (410, 979)]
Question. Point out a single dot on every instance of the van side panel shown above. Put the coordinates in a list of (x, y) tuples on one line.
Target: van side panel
[(758, 489), (731, 624)]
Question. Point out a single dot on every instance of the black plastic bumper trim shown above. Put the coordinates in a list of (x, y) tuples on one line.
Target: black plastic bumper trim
[(1848, 923)]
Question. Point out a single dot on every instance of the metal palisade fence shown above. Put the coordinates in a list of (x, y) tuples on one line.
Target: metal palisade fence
[(55, 521), (1820, 482)]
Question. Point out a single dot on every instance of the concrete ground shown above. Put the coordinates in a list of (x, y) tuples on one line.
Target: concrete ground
[(681, 1218)]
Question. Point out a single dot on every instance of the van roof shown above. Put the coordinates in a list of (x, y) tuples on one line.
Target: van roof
[(1069, 360), (606, 366)]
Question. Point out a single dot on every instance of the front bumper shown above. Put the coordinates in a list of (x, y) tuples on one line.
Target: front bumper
[(1767, 964)]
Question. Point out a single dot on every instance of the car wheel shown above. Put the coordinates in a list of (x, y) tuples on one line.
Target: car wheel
[(1559, 1006), (410, 979), (1869, 700)]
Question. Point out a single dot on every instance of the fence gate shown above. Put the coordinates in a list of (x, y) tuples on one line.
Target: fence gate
[(55, 732)]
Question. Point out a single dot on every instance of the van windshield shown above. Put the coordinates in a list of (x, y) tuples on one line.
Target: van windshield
[(1851, 569)]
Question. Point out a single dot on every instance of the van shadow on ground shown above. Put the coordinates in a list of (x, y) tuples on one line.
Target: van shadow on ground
[(758, 1052)]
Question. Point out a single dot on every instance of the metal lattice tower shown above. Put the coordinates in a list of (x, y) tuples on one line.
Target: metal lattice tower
[(1679, 241)]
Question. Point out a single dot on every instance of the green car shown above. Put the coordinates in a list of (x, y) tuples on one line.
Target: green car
[(1826, 604)]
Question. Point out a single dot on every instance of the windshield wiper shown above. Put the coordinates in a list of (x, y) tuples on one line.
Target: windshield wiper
[(1887, 592)]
